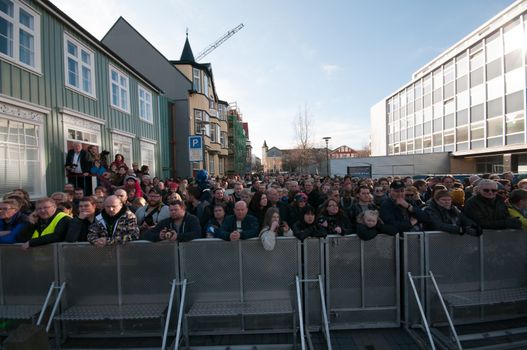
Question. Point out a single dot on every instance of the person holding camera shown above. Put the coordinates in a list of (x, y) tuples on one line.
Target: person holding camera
[(180, 226), (152, 213), (272, 228)]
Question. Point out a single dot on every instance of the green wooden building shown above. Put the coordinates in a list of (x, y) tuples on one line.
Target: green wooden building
[(59, 84)]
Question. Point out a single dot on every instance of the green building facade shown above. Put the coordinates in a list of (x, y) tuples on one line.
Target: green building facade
[(61, 85)]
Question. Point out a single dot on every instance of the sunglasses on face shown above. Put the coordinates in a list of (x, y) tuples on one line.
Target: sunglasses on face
[(488, 190)]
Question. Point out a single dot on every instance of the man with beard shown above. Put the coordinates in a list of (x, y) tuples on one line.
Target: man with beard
[(152, 213)]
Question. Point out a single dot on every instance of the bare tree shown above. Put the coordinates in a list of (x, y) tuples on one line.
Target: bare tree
[(303, 126), (303, 129)]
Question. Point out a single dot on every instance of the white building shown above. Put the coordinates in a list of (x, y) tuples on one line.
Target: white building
[(470, 101)]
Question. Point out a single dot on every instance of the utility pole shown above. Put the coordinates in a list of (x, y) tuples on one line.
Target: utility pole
[(327, 138)]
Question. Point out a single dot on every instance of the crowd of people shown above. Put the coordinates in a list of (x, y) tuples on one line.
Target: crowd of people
[(130, 205)]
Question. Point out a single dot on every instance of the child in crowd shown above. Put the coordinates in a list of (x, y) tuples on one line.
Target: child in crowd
[(369, 225)]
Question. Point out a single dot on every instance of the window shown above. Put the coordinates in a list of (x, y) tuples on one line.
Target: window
[(213, 135), (145, 105), (211, 165), (222, 166), (148, 157), (476, 131), (513, 36), (83, 136), (20, 158), (201, 123), (462, 134), (20, 34), (495, 127), (515, 122), (494, 69), (206, 85), (495, 88), (122, 145), (462, 65), (514, 82), (223, 139), (448, 72), (196, 79), (79, 66), (217, 132), (119, 90), (495, 108), (494, 49)]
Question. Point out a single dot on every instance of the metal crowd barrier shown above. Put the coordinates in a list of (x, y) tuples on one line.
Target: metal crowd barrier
[(465, 279), (126, 286), (27, 282), (362, 282), (238, 287)]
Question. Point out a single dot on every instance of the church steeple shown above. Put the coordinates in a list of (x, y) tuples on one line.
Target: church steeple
[(187, 55)]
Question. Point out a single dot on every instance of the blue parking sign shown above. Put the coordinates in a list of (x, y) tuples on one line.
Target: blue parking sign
[(195, 148)]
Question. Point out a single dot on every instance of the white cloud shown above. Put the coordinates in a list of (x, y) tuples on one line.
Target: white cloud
[(330, 69)]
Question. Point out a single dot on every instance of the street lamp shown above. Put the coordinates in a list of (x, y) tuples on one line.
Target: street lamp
[(327, 138)]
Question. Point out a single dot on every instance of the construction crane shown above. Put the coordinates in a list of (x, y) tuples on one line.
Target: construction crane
[(218, 42)]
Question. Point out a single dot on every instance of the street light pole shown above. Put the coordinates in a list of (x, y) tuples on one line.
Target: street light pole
[(327, 138)]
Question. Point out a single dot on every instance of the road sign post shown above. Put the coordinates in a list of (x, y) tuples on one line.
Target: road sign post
[(195, 148)]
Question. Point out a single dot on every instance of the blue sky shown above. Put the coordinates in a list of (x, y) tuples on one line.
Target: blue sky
[(338, 58)]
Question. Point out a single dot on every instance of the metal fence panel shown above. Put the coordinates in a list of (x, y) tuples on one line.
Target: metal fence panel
[(25, 278), (455, 262), (120, 290), (505, 257), (212, 268), (90, 274), (146, 271), (269, 275), (313, 266), (414, 262), (363, 282)]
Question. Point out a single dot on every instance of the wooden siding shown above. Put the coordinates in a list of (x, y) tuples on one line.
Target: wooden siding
[(49, 90)]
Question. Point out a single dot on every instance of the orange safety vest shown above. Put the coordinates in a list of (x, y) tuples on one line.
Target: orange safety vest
[(51, 227)]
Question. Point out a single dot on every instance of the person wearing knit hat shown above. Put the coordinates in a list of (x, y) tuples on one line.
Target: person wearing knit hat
[(448, 218)]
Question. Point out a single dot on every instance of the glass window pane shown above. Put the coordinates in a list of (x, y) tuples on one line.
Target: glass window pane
[(476, 131), (515, 122), (462, 83), (495, 108), (449, 121), (72, 49), (494, 49), (462, 65), (477, 95), (6, 37), (463, 100), (494, 69), (477, 113), (438, 124), (495, 88), (513, 60), (26, 19), (476, 77), (495, 127), (514, 81), (26, 51), (514, 102), (6, 6), (462, 134), (448, 138), (476, 60), (462, 117)]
